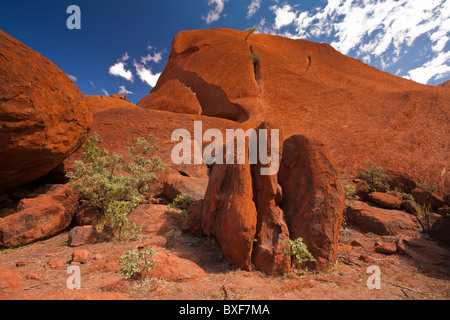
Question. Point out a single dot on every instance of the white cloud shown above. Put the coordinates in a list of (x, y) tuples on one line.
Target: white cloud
[(437, 68), (125, 57), (156, 58), (119, 70), (146, 75), (105, 92), (216, 10), (284, 15), (386, 23), (73, 78), (253, 8), (123, 90), (92, 84)]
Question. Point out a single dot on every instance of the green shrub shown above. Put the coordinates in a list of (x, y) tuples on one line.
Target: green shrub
[(350, 198), (181, 202), (407, 196), (300, 252), (256, 58), (423, 216), (114, 183), (428, 187), (375, 178), (250, 31), (134, 262)]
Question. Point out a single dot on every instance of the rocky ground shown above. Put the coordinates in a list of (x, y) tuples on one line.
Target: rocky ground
[(191, 268)]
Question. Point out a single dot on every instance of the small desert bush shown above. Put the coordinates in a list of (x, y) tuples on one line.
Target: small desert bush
[(250, 31), (350, 198), (134, 262), (423, 216), (255, 58), (181, 202), (298, 250), (375, 178), (114, 183)]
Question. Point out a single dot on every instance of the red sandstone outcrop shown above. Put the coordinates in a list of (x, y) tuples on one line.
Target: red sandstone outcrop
[(43, 115), (313, 197), (361, 114)]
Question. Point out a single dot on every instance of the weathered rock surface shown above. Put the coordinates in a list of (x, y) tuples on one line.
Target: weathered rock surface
[(425, 251), (370, 111), (272, 233), (380, 221), (313, 197), (43, 115), (103, 103), (400, 180), (154, 219), (229, 213), (176, 184), (385, 200), (173, 96), (361, 187), (9, 282), (80, 236), (171, 268), (39, 218), (441, 230)]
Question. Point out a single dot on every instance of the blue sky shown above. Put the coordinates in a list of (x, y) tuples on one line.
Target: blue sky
[(123, 46)]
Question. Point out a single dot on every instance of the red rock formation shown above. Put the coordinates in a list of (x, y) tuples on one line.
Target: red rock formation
[(102, 103), (43, 115), (39, 218), (445, 84), (117, 124), (360, 113), (380, 221), (173, 96), (272, 233), (229, 213), (313, 198)]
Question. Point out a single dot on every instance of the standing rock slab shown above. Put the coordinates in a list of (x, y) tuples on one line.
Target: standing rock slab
[(229, 213), (313, 198), (272, 233), (43, 115)]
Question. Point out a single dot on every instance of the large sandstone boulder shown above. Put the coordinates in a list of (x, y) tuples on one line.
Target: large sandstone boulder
[(102, 103), (176, 184), (313, 197), (385, 200), (441, 230), (380, 221), (229, 213), (171, 268), (39, 218), (43, 115)]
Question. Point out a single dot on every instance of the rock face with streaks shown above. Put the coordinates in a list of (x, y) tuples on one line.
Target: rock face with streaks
[(43, 115)]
